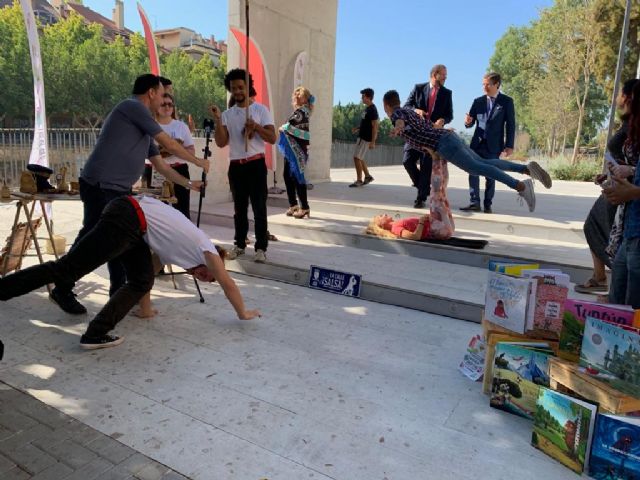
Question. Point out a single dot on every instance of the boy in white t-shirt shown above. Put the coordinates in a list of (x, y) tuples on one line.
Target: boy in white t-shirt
[(127, 228), (247, 167)]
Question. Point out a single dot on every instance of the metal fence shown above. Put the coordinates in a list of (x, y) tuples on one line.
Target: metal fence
[(342, 155), (71, 147), (67, 146)]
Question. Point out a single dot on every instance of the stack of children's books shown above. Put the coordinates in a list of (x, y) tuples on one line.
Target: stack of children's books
[(531, 320), (531, 301)]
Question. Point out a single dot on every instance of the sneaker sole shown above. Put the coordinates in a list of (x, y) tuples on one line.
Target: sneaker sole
[(532, 207), (539, 173), (91, 346)]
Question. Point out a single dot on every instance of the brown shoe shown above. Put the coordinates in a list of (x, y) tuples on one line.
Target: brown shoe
[(301, 213), (292, 210)]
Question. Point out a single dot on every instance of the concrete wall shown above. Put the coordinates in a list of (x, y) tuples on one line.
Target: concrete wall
[(282, 29)]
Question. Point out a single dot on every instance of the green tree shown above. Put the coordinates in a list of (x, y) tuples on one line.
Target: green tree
[(15, 65), (567, 43)]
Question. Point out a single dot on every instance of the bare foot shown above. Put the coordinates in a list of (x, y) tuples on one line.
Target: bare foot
[(145, 313)]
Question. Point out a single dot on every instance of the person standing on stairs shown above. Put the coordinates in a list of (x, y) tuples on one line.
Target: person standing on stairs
[(247, 166), (294, 146)]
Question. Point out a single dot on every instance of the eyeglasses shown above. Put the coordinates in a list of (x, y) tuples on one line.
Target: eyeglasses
[(167, 104)]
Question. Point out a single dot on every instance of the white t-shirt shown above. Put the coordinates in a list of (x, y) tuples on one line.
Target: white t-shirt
[(178, 131), (234, 119), (172, 236)]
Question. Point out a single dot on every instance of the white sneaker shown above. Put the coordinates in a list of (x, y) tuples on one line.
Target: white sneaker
[(260, 256), (234, 253), (539, 173), (528, 195)]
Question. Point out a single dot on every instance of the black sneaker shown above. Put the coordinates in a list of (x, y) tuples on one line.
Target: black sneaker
[(67, 302), (104, 341), (474, 207)]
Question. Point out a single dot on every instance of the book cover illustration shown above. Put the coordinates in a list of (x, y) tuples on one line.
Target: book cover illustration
[(562, 428), (615, 453), (472, 364), (611, 354), (549, 306), (518, 373), (506, 301), (574, 317)]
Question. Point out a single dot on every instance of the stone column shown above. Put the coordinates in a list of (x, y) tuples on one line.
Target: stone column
[(282, 29)]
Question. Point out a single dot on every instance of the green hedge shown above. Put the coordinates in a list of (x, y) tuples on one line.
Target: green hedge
[(584, 171)]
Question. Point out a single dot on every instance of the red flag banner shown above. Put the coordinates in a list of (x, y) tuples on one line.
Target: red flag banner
[(260, 81), (154, 60)]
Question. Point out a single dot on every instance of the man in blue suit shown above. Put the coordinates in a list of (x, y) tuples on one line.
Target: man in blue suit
[(433, 101), (495, 120)]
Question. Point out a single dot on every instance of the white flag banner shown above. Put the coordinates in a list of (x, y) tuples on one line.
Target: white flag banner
[(298, 70), (39, 149)]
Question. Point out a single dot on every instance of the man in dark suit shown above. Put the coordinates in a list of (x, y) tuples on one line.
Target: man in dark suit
[(495, 120), (433, 101)]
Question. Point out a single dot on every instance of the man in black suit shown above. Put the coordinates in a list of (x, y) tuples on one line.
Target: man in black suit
[(433, 101), (495, 120)]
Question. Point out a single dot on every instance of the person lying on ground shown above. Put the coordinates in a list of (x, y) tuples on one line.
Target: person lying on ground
[(420, 134), (410, 228), (127, 228)]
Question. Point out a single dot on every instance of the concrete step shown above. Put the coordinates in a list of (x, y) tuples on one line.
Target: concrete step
[(392, 278), (346, 230), (388, 278), (500, 224)]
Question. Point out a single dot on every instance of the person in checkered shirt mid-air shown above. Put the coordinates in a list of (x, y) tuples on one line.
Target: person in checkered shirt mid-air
[(423, 135)]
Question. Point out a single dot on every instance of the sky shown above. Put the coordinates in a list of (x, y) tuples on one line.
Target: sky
[(380, 44)]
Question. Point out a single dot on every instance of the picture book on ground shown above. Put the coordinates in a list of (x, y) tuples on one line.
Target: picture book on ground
[(472, 364), (492, 340), (518, 372), (615, 453), (576, 313), (611, 354), (563, 427), (506, 301)]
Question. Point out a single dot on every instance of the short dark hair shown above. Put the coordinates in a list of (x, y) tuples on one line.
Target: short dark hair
[(367, 92), (391, 98), (165, 81), (627, 87), (144, 83), (494, 78), (237, 74)]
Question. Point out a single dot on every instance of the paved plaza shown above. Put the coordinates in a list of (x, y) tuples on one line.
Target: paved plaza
[(321, 387)]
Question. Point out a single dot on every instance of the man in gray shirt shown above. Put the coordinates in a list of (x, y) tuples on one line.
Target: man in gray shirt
[(117, 162)]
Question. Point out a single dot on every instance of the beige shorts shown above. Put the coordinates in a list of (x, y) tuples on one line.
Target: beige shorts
[(362, 147)]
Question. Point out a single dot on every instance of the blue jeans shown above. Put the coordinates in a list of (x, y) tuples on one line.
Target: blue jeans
[(474, 181), (625, 274), (454, 150)]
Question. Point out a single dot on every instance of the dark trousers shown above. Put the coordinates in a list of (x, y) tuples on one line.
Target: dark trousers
[(116, 235), (489, 185), (293, 187), (421, 177), (248, 183), (94, 200), (183, 195)]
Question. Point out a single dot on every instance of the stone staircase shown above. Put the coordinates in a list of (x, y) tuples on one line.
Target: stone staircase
[(433, 278)]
